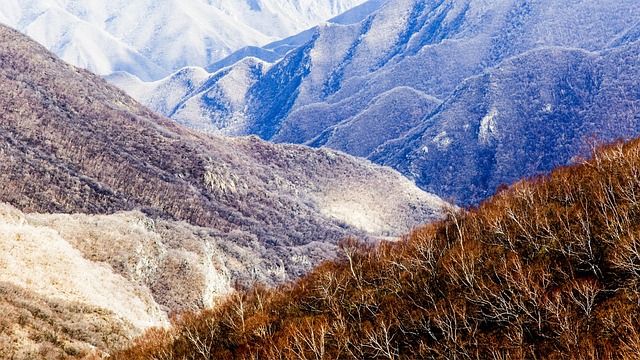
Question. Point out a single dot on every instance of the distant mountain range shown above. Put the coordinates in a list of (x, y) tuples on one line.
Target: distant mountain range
[(105, 203), (151, 39), (460, 96)]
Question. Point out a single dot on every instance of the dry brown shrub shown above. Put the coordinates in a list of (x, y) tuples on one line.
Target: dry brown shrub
[(34, 327), (548, 268)]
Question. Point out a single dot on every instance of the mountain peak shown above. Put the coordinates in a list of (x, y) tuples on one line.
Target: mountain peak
[(107, 36)]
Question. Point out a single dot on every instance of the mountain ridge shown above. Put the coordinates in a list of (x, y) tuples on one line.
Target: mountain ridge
[(433, 48), (174, 34), (565, 105), (134, 203)]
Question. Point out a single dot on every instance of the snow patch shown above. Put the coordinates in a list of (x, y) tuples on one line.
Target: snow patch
[(442, 141), (488, 127)]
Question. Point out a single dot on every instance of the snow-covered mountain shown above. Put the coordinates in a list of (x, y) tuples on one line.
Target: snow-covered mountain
[(377, 80), (545, 108), (151, 38), (369, 88), (213, 99)]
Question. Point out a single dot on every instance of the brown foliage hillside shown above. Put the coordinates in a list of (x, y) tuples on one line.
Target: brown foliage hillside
[(548, 268), (71, 143), (35, 327)]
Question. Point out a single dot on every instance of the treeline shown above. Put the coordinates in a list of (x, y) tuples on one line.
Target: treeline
[(548, 268)]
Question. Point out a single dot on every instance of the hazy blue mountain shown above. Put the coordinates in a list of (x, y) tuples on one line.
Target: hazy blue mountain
[(536, 111), (431, 46), (373, 88), (205, 102), (360, 135)]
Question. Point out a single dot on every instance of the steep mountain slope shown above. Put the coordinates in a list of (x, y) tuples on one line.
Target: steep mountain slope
[(94, 150), (387, 117), (429, 46), (108, 36), (202, 213), (215, 98), (66, 303), (37, 327), (531, 113), (433, 46), (348, 85), (546, 269)]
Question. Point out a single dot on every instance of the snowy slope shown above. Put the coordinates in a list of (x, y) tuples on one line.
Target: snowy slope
[(545, 108), (354, 86), (371, 79), (199, 100), (434, 48), (150, 39), (403, 109), (428, 46)]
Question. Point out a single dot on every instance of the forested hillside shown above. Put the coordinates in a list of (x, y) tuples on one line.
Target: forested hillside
[(112, 217), (460, 96), (549, 268), (72, 143)]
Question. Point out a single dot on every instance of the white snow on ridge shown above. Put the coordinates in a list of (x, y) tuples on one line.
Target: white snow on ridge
[(230, 90), (153, 38)]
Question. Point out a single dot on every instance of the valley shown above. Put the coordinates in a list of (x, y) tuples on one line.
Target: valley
[(399, 86), (112, 206)]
